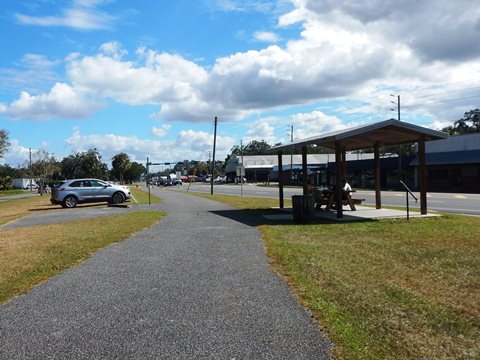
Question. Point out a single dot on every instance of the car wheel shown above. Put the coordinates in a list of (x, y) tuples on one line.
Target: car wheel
[(117, 198), (70, 201)]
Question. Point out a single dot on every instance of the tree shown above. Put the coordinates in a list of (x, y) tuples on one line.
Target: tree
[(470, 123), (43, 166), (4, 144), (120, 164), (6, 183), (83, 165), (134, 172), (254, 147)]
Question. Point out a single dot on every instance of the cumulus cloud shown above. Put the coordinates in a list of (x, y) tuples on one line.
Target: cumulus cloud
[(161, 78), (160, 131), (435, 30), (266, 36), (189, 144), (61, 102), (202, 142), (261, 130), (16, 155), (316, 123), (80, 15)]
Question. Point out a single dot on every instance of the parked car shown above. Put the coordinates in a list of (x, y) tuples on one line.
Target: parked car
[(69, 193), (167, 182)]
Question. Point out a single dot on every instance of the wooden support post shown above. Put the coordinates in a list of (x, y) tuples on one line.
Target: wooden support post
[(344, 163), (280, 180), (304, 170), (422, 176), (378, 178), (338, 179)]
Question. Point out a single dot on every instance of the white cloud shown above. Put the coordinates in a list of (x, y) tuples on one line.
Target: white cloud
[(162, 77), (261, 130), (16, 154), (433, 29), (241, 5), (34, 71), (113, 49), (266, 36), (61, 102), (317, 123), (81, 15), (160, 131), (344, 50), (189, 144), (202, 142)]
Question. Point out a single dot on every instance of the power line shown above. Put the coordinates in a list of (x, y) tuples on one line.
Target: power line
[(442, 101)]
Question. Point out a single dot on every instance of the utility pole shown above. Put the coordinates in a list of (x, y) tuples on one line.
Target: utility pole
[(30, 167), (213, 160), (398, 106), (241, 171), (148, 183), (399, 146), (291, 154)]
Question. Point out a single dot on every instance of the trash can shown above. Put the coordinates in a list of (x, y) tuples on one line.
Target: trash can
[(303, 208)]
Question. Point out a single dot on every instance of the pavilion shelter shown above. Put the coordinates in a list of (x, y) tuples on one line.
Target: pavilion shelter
[(384, 133)]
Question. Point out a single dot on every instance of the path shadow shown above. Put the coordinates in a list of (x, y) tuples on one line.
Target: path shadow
[(58, 207), (257, 217)]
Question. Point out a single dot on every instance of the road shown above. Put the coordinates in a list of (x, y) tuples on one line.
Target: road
[(443, 202)]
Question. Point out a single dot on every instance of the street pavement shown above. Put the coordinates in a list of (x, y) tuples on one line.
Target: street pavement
[(195, 286), (442, 202)]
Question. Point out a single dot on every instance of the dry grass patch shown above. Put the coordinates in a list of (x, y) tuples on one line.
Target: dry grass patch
[(32, 254), (14, 209)]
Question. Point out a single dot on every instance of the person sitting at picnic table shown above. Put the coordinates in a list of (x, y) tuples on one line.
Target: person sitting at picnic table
[(346, 186)]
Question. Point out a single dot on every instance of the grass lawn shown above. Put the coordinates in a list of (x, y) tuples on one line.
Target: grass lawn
[(32, 254), (10, 192), (385, 289)]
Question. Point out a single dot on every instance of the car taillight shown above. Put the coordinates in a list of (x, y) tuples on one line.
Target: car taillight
[(59, 189)]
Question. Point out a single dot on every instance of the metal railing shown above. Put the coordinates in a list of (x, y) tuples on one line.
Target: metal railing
[(408, 192)]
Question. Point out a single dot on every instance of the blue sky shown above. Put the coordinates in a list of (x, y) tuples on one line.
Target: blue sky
[(148, 77)]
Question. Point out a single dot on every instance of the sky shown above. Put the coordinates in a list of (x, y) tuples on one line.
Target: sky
[(147, 78)]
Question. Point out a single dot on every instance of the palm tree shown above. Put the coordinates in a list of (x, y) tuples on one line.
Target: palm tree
[(120, 164)]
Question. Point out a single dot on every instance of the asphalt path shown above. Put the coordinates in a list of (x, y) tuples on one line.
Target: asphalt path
[(197, 285), (443, 202)]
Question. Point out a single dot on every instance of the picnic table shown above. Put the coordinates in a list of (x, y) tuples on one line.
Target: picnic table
[(328, 198)]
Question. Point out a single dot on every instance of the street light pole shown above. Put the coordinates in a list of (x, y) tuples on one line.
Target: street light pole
[(213, 158)]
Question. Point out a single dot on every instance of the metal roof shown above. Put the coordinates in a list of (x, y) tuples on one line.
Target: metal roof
[(387, 132)]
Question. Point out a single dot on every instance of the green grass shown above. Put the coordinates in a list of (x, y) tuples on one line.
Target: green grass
[(10, 192), (249, 203), (32, 254), (140, 193), (386, 289)]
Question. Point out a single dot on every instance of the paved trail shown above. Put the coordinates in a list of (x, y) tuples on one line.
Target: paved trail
[(195, 286)]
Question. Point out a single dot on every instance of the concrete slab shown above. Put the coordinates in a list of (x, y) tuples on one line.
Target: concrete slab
[(362, 213)]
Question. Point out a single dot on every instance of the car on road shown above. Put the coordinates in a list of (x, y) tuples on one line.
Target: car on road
[(177, 181), (30, 186), (69, 193)]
